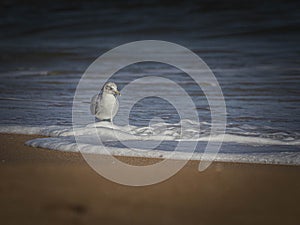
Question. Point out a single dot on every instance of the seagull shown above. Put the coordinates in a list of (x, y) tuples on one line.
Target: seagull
[(105, 105)]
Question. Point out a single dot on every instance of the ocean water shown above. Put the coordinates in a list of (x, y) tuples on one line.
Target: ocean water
[(252, 48)]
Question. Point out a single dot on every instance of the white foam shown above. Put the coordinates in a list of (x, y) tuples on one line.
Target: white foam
[(249, 140), (158, 131), (38, 130), (67, 144), (62, 138)]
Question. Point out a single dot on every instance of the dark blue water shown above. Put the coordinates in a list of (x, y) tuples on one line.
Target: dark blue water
[(252, 47)]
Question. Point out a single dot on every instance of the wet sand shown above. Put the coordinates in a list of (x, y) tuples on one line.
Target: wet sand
[(40, 186)]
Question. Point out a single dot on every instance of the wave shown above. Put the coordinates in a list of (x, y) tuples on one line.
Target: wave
[(186, 130), (126, 141), (69, 144)]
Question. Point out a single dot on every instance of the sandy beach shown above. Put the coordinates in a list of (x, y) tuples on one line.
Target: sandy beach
[(41, 186), (168, 76)]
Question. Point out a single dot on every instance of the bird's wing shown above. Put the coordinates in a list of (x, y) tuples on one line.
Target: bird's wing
[(95, 104), (116, 108)]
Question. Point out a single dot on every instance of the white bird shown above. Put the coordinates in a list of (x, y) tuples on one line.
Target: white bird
[(105, 105)]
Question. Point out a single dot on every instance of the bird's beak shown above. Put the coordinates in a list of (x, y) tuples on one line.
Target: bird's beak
[(117, 92)]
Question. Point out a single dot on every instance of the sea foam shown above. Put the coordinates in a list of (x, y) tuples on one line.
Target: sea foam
[(114, 140)]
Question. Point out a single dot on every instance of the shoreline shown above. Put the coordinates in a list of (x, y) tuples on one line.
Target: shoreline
[(41, 186), (285, 158)]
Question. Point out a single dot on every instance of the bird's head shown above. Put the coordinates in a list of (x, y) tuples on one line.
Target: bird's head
[(111, 88)]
